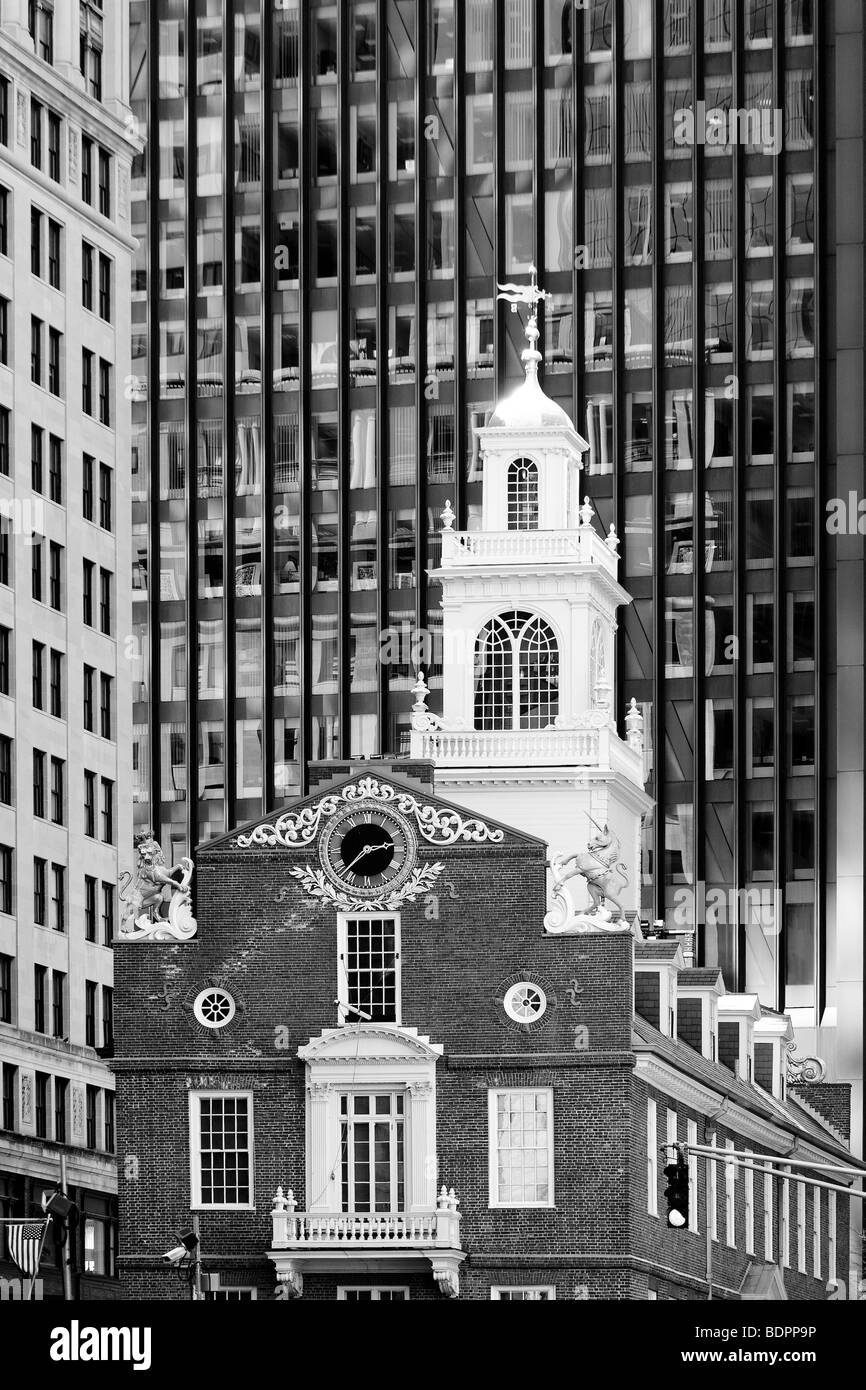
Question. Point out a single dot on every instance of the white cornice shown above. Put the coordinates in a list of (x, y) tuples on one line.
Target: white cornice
[(335, 1046), (664, 1077)]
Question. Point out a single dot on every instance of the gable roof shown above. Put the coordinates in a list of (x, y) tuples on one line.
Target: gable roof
[(456, 825)]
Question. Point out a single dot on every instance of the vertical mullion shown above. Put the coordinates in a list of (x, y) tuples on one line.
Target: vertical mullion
[(422, 368), (343, 416), (382, 419), (500, 335), (696, 174), (821, 738), (659, 478), (190, 421), (743, 444), (155, 707), (617, 155), (304, 321), (266, 167), (229, 584), (780, 781), (461, 433)]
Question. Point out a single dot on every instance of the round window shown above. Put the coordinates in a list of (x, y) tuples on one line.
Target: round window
[(525, 1002), (214, 1008)]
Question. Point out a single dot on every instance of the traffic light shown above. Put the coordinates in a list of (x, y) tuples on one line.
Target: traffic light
[(677, 1192)]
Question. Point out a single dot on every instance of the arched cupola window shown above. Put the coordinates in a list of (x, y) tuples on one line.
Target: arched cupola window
[(522, 495), (516, 673)]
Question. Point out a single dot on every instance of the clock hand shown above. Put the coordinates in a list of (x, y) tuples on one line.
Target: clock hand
[(368, 849)]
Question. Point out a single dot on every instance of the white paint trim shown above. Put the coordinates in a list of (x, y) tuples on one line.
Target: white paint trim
[(493, 1148), (195, 1097)]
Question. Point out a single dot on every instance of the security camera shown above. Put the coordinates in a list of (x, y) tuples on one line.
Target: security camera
[(175, 1255)]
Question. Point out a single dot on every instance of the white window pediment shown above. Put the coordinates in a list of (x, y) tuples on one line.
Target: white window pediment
[(378, 1045), (370, 1058)]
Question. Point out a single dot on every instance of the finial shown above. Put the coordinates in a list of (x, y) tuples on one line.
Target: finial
[(448, 518), (420, 690), (585, 512), (634, 727), (611, 540)]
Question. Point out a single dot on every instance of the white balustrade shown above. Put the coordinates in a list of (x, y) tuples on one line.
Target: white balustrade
[(514, 747), (581, 546), (306, 1230)]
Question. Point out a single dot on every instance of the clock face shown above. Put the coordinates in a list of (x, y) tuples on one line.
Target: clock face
[(368, 851)]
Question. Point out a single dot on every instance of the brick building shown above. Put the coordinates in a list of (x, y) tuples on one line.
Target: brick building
[(312, 1080), (398, 1056)]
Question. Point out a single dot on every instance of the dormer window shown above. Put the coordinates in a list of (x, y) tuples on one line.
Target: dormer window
[(516, 673), (522, 495)]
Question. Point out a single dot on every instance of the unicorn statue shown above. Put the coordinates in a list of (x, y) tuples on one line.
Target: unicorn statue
[(599, 865)]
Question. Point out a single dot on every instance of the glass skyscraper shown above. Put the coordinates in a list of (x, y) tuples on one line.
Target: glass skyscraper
[(329, 194)]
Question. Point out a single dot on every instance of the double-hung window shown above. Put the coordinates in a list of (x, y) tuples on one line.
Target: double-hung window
[(368, 986), (221, 1152), (521, 1147)]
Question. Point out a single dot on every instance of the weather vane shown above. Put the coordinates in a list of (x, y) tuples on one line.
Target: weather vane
[(525, 294)]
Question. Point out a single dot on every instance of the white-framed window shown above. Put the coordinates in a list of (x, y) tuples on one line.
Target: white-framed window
[(671, 1136), (397, 1084), (801, 1227), (232, 1293), (831, 1236), (749, 1205), (221, 1149), (713, 1198), (525, 1002), (524, 1293), (816, 1231), (522, 495), (214, 1007), (521, 1147), (372, 1293), (652, 1158), (768, 1214), (692, 1138), (373, 1151), (730, 1195), (516, 673), (368, 968), (785, 1221)]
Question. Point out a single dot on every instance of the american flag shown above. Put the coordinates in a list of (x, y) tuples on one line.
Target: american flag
[(24, 1239)]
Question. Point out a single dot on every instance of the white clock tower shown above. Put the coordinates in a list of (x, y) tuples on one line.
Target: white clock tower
[(527, 733)]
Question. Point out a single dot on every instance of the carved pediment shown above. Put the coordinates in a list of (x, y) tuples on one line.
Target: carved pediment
[(437, 823), (369, 1042)]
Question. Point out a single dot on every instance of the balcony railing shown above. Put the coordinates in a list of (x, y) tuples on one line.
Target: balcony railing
[(581, 546), (516, 747), (321, 1241), (305, 1230)]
